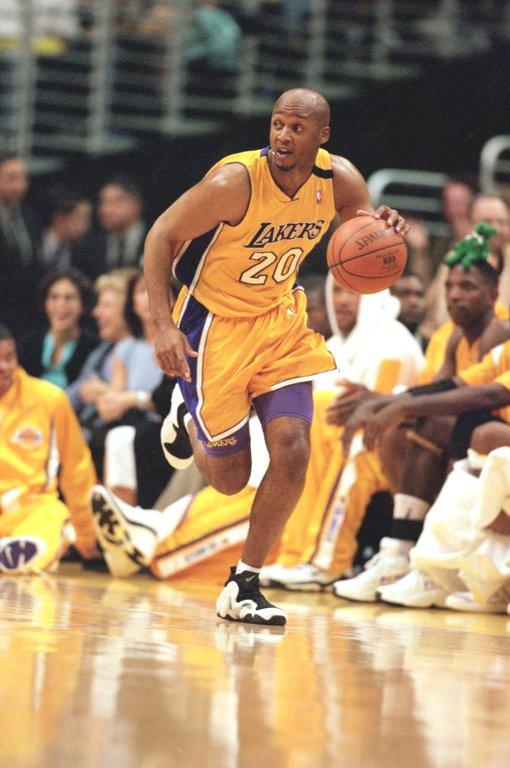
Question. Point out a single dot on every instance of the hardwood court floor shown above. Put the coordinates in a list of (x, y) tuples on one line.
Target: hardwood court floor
[(102, 673)]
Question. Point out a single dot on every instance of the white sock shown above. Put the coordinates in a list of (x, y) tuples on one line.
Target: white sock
[(244, 567), (409, 507), (172, 516)]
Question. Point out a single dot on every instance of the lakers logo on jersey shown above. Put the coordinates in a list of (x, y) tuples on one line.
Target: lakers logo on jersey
[(248, 269)]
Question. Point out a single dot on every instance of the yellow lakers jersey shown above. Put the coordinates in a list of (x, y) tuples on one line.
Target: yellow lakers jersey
[(248, 269)]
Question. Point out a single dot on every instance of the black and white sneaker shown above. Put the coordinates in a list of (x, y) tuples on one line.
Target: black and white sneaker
[(174, 435), (127, 535), (241, 600)]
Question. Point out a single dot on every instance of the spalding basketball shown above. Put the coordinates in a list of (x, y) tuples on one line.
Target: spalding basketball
[(365, 255)]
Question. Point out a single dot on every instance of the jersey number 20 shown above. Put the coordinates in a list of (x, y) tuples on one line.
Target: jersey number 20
[(285, 266)]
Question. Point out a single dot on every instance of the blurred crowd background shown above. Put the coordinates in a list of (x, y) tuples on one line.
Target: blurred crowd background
[(110, 109)]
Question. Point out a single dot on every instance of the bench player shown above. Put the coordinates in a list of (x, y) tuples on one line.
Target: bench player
[(238, 336)]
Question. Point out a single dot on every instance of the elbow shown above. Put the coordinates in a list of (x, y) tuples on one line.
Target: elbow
[(495, 396)]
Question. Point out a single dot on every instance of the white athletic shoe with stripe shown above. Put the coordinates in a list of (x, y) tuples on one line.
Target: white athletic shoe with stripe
[(303, 577), (174, 435), (415, 590), (127, 535), (241, 600)]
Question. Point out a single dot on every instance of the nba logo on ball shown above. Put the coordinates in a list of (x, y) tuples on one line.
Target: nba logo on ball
[(365, 255)]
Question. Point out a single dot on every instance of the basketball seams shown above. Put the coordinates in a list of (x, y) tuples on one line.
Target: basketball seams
[(368, 224), (376, 250)]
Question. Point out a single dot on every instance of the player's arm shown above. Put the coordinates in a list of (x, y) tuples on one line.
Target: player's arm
[(353, 199), (453, 402), (222, 196)]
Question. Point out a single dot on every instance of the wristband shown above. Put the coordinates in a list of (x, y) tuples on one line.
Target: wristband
[(431, 389)]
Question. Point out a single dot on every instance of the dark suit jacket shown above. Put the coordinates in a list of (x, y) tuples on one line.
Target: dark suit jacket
[(18, 288), (89, 255), (30, 352)]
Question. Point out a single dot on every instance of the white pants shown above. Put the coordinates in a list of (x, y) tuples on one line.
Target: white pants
[(455, 549)]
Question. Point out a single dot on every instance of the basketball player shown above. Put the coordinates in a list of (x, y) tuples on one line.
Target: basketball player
[(238, 335)]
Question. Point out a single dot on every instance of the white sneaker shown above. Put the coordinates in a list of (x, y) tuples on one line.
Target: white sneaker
[(414, 590), (388, 565), (303, 577), (127, 535), (464, 601), (174, 435)]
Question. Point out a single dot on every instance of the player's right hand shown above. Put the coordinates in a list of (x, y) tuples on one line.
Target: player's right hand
[(172, 349)]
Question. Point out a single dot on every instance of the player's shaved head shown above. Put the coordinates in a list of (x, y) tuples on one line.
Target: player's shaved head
[(305, 103)]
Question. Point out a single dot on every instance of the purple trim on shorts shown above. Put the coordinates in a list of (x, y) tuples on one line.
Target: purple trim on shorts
[(231, 444), (293, 400)]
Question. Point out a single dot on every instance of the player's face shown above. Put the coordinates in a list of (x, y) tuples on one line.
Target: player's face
[(468, 295), (295, 137), (410, 292), (63, 306), (346, 305), (8, 364), (109, 315), (13, 181)]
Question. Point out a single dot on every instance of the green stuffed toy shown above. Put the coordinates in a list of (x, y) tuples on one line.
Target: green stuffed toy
[(473, 248)]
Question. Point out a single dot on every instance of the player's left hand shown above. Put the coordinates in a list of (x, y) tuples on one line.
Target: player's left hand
[(379, 423), (390, 216)]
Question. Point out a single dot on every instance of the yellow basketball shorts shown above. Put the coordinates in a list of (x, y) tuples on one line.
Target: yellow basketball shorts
[(240, 359)]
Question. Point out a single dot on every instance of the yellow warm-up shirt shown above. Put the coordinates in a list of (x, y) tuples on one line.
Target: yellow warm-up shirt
[(248, 269), (465, 355), (493, 369), (42, 450)]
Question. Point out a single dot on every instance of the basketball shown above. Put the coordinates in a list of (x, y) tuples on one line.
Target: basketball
[(365, 255)]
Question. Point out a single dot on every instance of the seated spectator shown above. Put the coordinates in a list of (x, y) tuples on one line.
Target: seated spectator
[(418, 249), (409, 289), (17, 235), (213, 38), (135, 468), (462, 558), (69, 221), (56, 349), (475, 394), (135, 373), (493, 210), (97, 371), (42, 453), (119, 240), (434, 439)]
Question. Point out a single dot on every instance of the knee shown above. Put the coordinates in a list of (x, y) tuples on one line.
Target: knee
[(231, 483), (482, 439), (290, 453)]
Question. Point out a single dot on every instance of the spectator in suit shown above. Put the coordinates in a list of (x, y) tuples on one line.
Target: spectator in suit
[(56, 349), (69, 222), (16, 245), (119, 241)]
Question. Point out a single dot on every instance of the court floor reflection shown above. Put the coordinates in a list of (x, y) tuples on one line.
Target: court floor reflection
[(96, 673)]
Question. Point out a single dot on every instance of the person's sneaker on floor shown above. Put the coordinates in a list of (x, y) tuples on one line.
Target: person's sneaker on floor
[(19, 554), (303, 577), (388, 565), (174, 434), (241, 600), (127, 535), (465, 601), (415, 590)]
